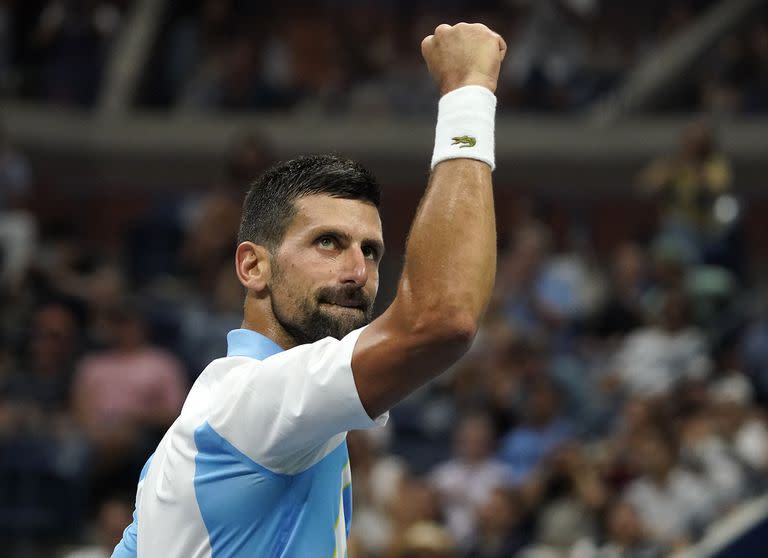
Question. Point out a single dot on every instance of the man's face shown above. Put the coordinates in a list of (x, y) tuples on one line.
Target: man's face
[(326, 271)]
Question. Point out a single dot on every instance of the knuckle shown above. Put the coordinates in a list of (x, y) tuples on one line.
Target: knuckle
[(427, 44)]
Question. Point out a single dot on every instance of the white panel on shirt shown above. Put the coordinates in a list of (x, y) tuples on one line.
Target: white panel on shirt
[(290, 410), (169, 519)]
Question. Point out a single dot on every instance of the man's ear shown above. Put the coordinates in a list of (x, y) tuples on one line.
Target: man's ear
[(253, 266)]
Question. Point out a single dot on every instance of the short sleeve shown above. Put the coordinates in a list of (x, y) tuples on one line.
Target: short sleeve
[(290, 405)]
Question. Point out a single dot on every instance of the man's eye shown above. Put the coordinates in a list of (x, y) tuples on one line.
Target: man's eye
[(326, 242), (369, 253)]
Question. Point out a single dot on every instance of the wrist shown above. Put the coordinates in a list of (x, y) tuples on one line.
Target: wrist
[(465, 125), (479, 79)]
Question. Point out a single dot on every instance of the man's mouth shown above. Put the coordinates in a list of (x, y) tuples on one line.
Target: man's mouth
[(353, 299), (350, 305)]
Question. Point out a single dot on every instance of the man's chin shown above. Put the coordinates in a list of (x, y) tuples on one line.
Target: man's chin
[(345, 318)]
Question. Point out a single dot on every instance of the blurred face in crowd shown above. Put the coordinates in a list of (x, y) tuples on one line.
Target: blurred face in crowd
[(325, 273), (528, 252), (416, 501), (653, 457), (474, 438), (675, 313), (628, 267), (500, 513), (126, 329), (524, 359), (543, 403), (698, 142), (54, 338), (637, 415), (624, 526)]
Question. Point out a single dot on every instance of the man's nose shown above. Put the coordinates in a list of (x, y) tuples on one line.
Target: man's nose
[(354, 269)]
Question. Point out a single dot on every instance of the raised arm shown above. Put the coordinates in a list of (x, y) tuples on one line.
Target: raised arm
[(450, 259)]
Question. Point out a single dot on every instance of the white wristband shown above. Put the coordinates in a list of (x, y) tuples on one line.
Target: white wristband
[(465, 119)]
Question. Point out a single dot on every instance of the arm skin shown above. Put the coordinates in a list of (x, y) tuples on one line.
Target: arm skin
[(450, 265), (450, 258)]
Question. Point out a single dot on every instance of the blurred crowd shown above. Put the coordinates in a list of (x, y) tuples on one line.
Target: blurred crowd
[(339, 56), (611, 406)]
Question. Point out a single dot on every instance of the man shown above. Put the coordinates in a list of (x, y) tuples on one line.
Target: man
[(256, 464)]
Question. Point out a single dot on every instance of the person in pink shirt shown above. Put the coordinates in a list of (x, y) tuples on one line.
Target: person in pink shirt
[(125, 397)]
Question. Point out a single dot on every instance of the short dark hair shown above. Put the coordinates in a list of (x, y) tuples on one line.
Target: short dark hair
[(269, 203)]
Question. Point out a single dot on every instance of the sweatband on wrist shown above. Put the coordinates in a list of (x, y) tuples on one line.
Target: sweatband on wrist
[(465, 123)]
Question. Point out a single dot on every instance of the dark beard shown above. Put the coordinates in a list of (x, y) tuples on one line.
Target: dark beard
[(314, 323)]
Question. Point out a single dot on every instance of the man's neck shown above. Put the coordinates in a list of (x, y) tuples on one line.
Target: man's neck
[(259, 318)]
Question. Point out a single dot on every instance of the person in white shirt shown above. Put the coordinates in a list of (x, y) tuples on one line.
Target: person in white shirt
[(257, 463), (467, 481), (672, 503)]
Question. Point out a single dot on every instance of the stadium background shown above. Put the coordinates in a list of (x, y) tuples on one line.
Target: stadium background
[(615, 398)]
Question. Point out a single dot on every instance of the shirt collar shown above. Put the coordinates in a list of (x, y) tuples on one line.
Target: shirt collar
[(246, 342)]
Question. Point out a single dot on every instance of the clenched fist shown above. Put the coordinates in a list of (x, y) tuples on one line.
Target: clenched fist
[(464, 54)]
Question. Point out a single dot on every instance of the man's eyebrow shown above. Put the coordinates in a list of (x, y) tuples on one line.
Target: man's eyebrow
[(377, 244)]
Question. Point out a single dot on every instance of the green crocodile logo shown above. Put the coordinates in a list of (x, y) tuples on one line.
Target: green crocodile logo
[(465, 141)]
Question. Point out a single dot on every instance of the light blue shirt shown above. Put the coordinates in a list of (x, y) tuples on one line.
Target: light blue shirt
[(256, 464)]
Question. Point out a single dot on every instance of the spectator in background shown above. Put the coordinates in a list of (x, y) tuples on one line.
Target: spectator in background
[(622, 310), (234, 77), (694, 192), (500, 532), (203, 253), (704, 450), (753, 348), (673, 503), (18, 229), (43, 458), (543, 431), (416, 502), (114, 515), (205, 321), (192, 40), (536, 299), (749, 442), (549, 51), (15, 175), (125, 397), (74, 37), (625, 536), (568, 495), (377, 484), (653, 360), (38, 390), (734, 77), (466, 481), (423, 540)]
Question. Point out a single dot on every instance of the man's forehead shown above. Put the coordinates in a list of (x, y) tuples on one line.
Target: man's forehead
[(357, 217)]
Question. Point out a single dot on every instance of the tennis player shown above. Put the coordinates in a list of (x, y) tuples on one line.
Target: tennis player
[(256, 465)]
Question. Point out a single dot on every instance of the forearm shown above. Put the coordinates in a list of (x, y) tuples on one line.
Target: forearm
[(446, 284), (450, 260)]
